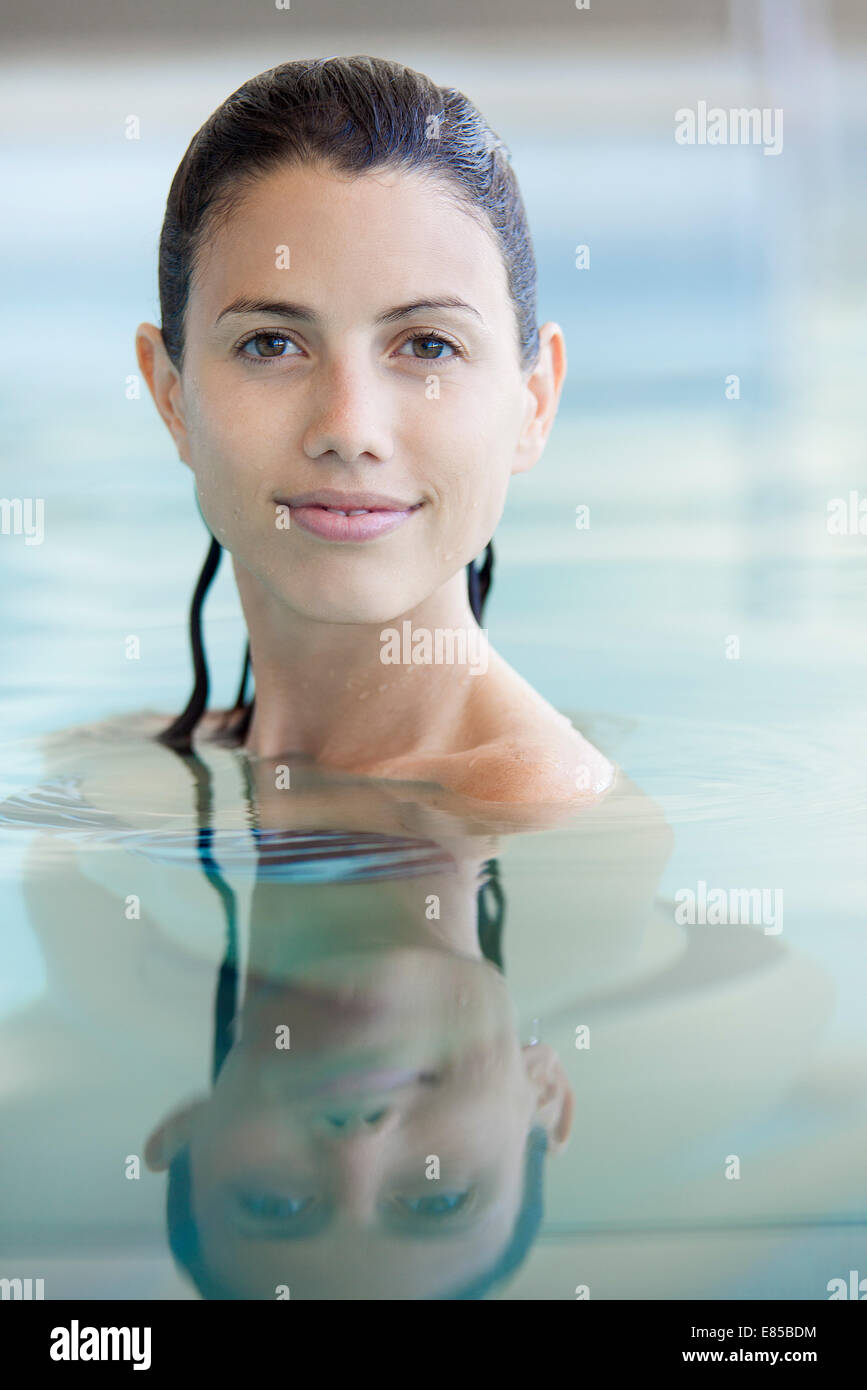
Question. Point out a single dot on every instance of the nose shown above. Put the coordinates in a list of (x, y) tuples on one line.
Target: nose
[(349, 415)]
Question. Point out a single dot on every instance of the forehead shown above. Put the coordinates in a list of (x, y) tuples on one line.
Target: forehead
[(356, 241)]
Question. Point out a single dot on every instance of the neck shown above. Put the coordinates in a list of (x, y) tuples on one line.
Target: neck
[(323, 690)]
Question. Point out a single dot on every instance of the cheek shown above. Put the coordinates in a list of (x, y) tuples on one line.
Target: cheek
[(472, 467), (230, 445), (229, 429)]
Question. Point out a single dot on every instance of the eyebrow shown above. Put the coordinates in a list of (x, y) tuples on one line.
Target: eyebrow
[(281, 308)]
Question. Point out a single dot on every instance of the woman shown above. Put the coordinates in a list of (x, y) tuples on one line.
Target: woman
[(350, 365)]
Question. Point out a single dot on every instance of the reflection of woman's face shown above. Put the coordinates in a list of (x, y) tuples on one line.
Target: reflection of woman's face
[(309, 1165), (336, 393)]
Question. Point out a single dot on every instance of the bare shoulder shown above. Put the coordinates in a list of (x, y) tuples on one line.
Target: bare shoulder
[(514, 749), (521, 772), (526, 751), (503, 787), (559, 767)]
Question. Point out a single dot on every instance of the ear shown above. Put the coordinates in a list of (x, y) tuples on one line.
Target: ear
[(543, 387), (170, 1137), (555, 1103), (164, 384)]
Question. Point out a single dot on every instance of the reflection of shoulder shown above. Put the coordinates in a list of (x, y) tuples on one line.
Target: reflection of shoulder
[(143, 724), (113, 768), (138, 727)]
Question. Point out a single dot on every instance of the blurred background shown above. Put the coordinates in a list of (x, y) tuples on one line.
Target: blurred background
[(708, 514)]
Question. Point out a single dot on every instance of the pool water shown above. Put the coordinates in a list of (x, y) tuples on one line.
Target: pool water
[(339, 983), (669, 986)]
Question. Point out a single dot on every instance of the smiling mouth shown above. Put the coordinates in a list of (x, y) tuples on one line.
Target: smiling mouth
[(351, 518)]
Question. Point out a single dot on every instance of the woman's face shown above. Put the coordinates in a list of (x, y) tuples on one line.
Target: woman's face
[(311, 1164), (349, 376)]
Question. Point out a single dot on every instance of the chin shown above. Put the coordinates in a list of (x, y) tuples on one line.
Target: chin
[(355, 609)]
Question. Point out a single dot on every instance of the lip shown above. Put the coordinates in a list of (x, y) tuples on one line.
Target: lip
[(381, 514)]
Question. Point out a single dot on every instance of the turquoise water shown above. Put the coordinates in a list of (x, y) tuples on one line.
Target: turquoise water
[(708, 521)]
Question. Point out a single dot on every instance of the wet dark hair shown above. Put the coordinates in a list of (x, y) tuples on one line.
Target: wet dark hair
[(353, 115)]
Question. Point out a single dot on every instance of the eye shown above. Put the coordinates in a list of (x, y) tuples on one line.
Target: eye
[(267, 345), (428, 347), (269, 1207), (437, 1204)]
